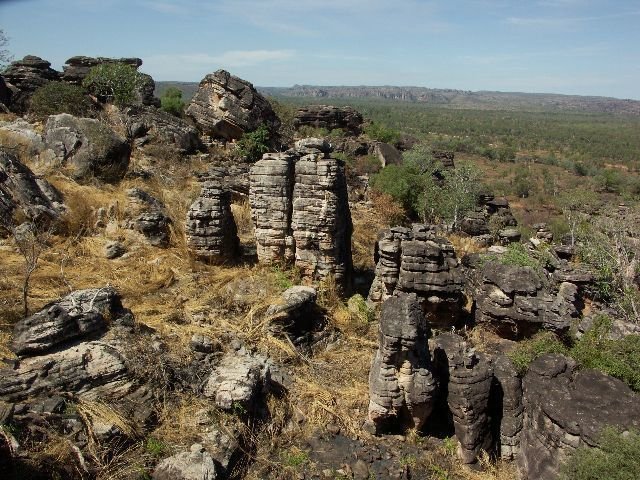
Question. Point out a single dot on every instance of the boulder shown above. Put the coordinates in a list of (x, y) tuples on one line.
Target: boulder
[(490, 215), (417, 260), (226, 107), (294, 314), (148, 217), (516, 303), (153, 126), (90, 148), (465, 379), (21, 137), (21, 190), (401, 384), (329, 117), (387, 154), (196, 464), (566, 409), (80, 314), (211, 229), (27, 75)]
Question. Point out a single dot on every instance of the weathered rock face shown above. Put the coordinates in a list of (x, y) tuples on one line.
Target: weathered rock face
[(82, 313), (465, 379), (27, 75), (21, 189), (89, 147), (211, 229), (491, 214), (270, 194), (419, 261), (515, 302), (196, 464), (294, 315), (387, 154), (445, 157), (506, 407), (148, 217), (5, 95), (300, 209), (226, 106), (566, 409), (77, 68), (22, 136), (401, 385), (152, 126), (329, 117)]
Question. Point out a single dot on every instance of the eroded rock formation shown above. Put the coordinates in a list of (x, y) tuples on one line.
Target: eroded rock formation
[(416, 260), (300, 210), (152, 126), (401, 385), (488, 218), (147, 216), (27, 75), (506, 407), (329, 117), (211, 229), (226, 106)]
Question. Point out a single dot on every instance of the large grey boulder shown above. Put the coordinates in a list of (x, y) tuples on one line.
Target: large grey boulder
[(80, 314), (211, 229), (516, 302), (147, 216), (90, 148), (566, 409), (27, 75), (153, 126), (196, 464), (293, 314), (21, 136), (401, 384), (226, 107), (419, 261), (465, 378), (21, 190)]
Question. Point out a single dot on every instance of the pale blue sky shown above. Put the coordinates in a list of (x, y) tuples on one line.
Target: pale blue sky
[(588, 47)]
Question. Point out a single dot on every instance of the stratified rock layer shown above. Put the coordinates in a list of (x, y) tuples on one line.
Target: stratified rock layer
[(419, 261), (401, 385), (329, 117), (465, 378), (226, 106), (506, 407), (300, 209), (27, 75), (566, 409), (211, 229), (153, 126), (148, 217)]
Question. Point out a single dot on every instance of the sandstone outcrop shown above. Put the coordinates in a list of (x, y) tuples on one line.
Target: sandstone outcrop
[(21, 190), (465, 379), (153, 126), (226, 107), (506, 407), (90, 148), (417, 260), (401, 385), (330, 118), (514, 301), (300, 209), (148, 217), (491, 215), (211, 229), (566, 409), (294, 314), (27, 75)]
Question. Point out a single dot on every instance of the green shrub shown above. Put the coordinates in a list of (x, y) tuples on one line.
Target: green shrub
[(382, 133), (155, 447), (60, 97), (518, 255), (618, 458), (113, 82), (171, 101), (254, 144), (359, 309), (618, 358), (540, 344)]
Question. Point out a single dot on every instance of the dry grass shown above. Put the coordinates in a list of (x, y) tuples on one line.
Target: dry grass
[(242, 215)]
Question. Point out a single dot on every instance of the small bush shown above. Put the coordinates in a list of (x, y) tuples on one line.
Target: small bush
[(382, 133), (254, 144), (359, 309), (113, 82), (171, 101), (155, 447), (294, 458), (527, 351), (60, 97), (518, 255), (618, 458)]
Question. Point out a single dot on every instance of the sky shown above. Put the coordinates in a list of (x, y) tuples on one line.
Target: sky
[(584, 47)]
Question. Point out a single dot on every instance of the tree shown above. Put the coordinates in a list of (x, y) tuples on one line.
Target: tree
[(460, 191), (5, 55), (171, 101), (113, 82), (575, 205)]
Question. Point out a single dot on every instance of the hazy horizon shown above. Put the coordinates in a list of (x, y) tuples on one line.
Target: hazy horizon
[(571, 47)]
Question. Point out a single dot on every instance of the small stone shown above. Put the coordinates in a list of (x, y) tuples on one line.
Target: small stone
[(333, 429), (114, 249), (360, 470)]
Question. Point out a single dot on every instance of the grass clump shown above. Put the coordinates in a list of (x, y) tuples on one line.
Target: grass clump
[(295, 458), (617, 458), (154, 447), (529, 350), (517, 255)]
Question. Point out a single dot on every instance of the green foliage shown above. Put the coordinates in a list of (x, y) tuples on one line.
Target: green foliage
[(113, 82), (5, 55), (518, 255), (610, 180), (540, 344), (450, 446), (617, 458), (359, 309), (286, 113), (522, 183), (618, 358), (171, 101), (60, 97), (382, 133), (254, 144), (295, 458), (155, 447)]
